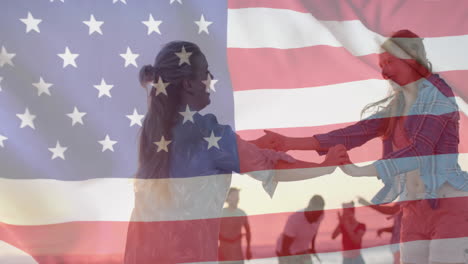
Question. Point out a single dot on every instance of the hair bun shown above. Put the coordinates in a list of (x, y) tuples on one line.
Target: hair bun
[(147, 74)]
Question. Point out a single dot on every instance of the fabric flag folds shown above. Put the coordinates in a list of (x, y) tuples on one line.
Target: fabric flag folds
[(72, 108)]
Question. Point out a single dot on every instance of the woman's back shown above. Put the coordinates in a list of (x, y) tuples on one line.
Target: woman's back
[(199, 179)]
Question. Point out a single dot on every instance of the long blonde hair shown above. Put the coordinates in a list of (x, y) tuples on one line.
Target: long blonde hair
[(392, 106)]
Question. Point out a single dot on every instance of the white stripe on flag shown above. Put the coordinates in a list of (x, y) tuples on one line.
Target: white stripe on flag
[(285, 29)]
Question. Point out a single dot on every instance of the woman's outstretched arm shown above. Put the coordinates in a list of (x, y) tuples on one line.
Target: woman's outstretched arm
[(351, 136)]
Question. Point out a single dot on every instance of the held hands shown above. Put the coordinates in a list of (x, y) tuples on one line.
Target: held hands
[(336, 155), (355, 171)]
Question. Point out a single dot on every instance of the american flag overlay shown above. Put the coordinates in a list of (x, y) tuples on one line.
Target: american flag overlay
[(84, 177)]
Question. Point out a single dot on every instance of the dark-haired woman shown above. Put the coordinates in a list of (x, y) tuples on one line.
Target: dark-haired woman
[(186, 160)]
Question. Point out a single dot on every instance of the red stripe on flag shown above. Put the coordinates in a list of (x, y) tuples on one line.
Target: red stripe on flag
[(74, 242), (105, 242), (425, 18), (269, 68)]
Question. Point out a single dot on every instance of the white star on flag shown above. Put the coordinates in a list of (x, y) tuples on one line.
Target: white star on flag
[(76, 116), (210, 83), (27, 119), (178, 1), (183, 56), (153, 25), (94, 26), (130, 58), (107, 144), (2, 138), (58, 151), (42, 87), (1, 79), (160, 86), (135, 118), (5, 57), (104, 88), (68, 58), (203, 25), (187, 114), (31, 23), (122, 1), (212, 140), (162, 144)]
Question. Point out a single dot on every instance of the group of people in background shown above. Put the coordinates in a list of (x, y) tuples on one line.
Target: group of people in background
[(297, 241)]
